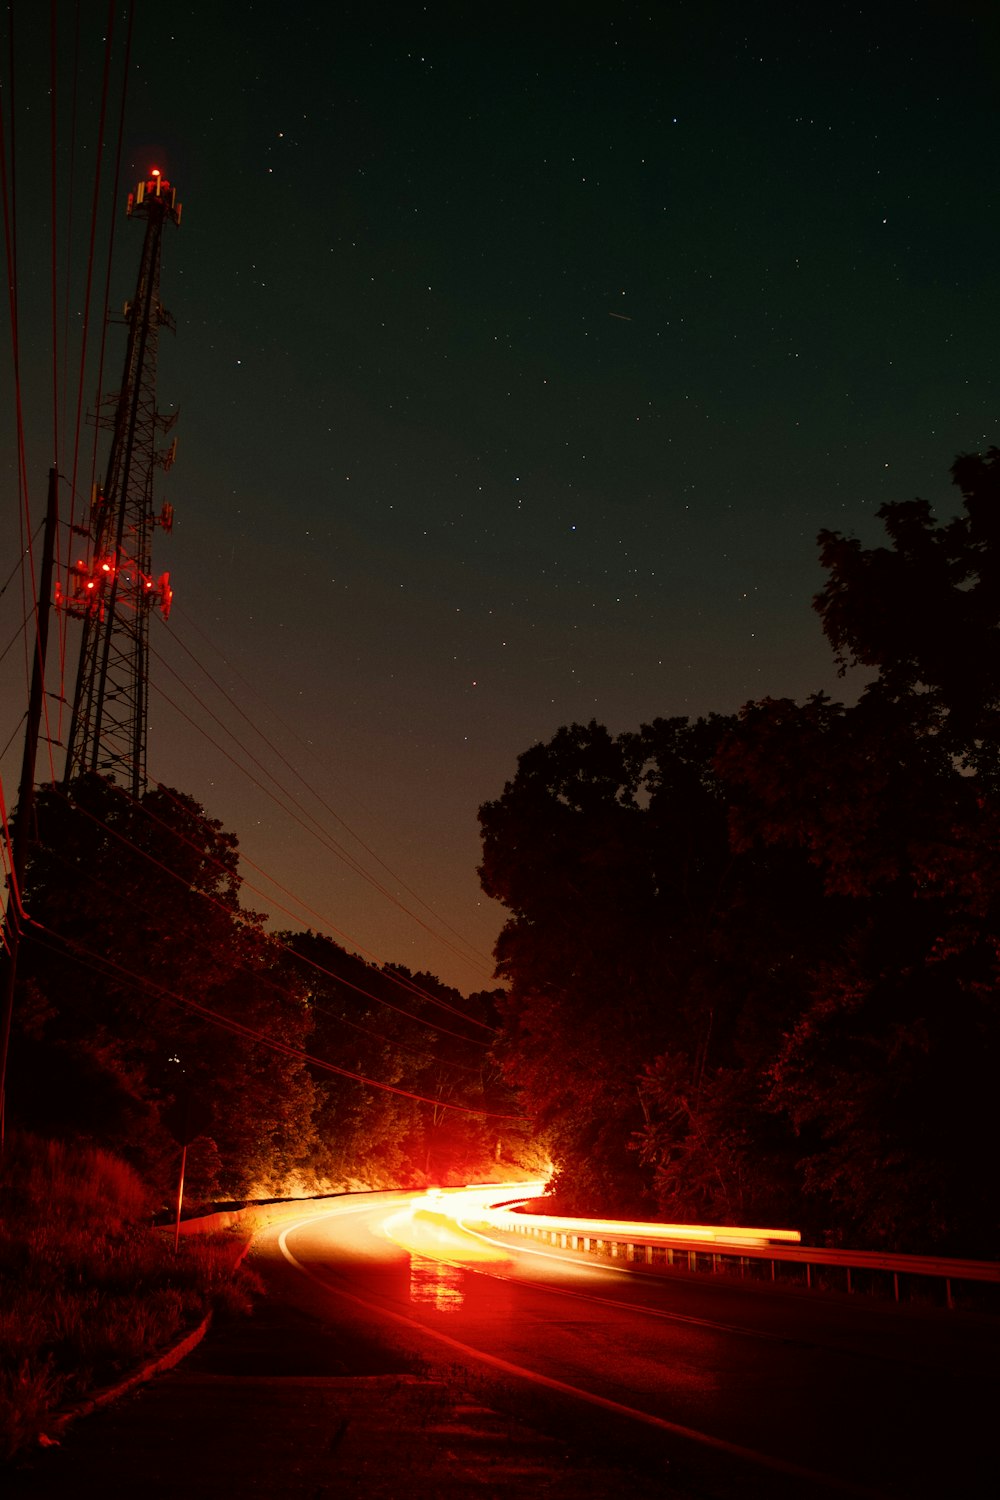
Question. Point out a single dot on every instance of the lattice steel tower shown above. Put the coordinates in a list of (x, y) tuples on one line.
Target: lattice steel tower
[(113, 588)]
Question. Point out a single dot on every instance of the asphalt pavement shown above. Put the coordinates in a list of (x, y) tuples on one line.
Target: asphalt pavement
[(283, 1404)]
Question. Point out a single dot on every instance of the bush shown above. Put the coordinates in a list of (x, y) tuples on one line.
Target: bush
[(87, 1288)]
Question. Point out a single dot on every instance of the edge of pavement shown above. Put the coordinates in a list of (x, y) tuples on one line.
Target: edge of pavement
[(251, 1219)]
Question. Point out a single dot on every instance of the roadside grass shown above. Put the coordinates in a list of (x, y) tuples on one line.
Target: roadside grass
[(87, 1288)]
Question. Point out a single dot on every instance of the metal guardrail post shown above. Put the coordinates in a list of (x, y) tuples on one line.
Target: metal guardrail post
[(678, 1250)]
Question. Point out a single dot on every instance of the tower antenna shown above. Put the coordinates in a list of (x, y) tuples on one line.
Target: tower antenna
[(112, 588)]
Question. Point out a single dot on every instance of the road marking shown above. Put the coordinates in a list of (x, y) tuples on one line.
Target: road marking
[(650, 1312), (676, 1429)]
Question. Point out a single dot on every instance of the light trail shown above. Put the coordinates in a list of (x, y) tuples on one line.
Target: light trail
[(483, 1201), (428, 1229)]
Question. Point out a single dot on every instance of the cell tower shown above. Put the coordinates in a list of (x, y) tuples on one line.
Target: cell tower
[(112, 589)]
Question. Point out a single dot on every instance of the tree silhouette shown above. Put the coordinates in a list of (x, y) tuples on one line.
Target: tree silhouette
[(925, 613), (753, 962), (135, 935)]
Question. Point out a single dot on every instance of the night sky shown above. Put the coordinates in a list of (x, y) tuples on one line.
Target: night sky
[(521, 354)]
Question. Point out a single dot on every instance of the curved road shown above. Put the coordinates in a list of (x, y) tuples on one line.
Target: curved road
[(722, 1388)]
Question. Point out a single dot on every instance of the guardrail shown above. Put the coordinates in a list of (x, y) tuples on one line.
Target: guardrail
[(259, 1215), (661, 1248), (770, 1254)]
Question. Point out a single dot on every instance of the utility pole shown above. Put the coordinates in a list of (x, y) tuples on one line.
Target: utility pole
[(12, 918), (112, 589)]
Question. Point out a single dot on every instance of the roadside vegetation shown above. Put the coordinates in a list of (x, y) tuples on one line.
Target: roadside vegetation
[(750, 970), (282, 1060), (752, 960), (88, 1289)]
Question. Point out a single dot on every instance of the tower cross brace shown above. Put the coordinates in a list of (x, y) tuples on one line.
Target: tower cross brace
[(113, 589)]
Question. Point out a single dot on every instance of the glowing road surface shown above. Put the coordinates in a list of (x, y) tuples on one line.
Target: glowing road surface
[(724, 1389)]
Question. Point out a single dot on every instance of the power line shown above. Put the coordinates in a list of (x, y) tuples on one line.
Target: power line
[(316, 830), (307, 784), (410, 984), (281, 992), (101, 964), (88, 294), (427, 1055), (17, 634), (8, 192), (15, 908), (231, 911), (20, 561)]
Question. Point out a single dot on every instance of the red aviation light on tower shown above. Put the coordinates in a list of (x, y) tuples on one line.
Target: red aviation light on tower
[(108, 727), (88, 583), (155, 188)]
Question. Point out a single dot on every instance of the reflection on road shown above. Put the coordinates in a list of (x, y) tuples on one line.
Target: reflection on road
[(778, 1384), (438, 1250), (436, 1284)]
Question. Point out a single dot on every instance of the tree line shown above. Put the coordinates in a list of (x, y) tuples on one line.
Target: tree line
[(749, 966), (154, 1010), (751, 960)]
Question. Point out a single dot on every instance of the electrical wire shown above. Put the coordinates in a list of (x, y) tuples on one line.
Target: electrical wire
[(85, 331), (53, 213), (70, 196), (407, 984), (103, 965), (92, 238), (63, 193), (307, 784), (426, 1056), (8, 192), (231, 912), (9, 215), (18, 633), (20, 562), (126, 69), (57, 199), (306, 821), (282, 993), (14, 733), (14, 899)]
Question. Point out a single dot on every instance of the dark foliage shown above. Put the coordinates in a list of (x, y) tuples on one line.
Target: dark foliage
[(384, 1024), (136, 955), (154, 1011), (925, 613), (753, 961)]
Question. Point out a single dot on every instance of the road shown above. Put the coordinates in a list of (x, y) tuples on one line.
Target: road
[(719, 1388)]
